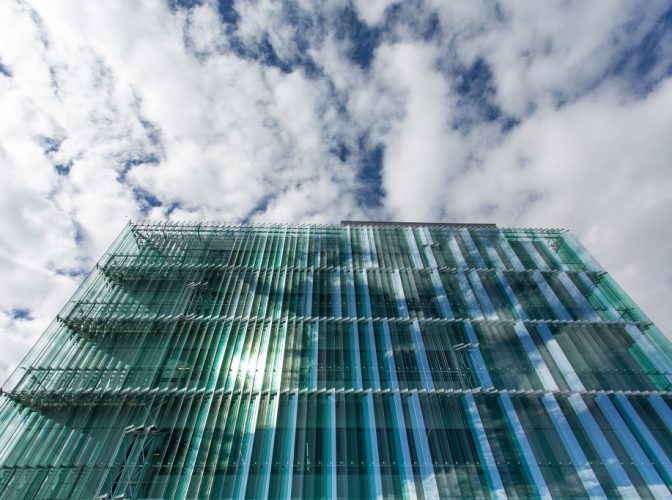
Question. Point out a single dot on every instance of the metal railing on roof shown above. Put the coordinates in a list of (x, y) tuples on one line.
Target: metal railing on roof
[(430, 224)]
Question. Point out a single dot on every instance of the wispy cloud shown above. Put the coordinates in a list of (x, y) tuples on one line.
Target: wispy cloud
[(539, 115)]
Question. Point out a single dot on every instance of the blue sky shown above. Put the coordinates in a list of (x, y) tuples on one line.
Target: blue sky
[(526, 114)]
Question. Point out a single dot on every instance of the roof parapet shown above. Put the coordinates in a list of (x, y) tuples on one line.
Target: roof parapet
[(430, 224)]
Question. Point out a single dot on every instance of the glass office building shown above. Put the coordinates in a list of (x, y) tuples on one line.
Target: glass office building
[(360, 360)]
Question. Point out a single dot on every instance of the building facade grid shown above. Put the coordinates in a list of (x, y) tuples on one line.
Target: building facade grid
[(357, 360)]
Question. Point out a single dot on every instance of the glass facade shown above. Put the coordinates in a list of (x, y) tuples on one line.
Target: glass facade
[(360, 360)]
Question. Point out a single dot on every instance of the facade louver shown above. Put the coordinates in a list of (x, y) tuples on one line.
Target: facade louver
[(360, 360)]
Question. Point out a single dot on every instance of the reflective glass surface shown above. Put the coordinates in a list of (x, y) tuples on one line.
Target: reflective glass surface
[(355, 360)]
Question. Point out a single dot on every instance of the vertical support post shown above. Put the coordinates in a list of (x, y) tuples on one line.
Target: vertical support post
[(455, 250), (484, 451), (355, 353), (471, 246), (421, 356), (486, 304), (513, 300), (429, 485), (330, 446), (314, 353), (308, 308), (288, 455), (578, 297), (366, 246), (246, 448), (510, 254), (351, 306), (558, 355), (662, 410), (389, 357), (477, 358), (534, 255), (444, 305), (399, 294), (427, 243), (632, 447), (337, 293), (579, 460), (402, 450), (415, 254), (468, 293), (529, 460), (607, 455), (650, 443), (374, 252), (371, 351), (496, 260), (551, 297), (535, 358), (367, 297), (375, 484)]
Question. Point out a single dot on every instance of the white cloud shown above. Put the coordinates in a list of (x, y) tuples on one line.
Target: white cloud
[(541, 51), (371, 11), (421, 149)]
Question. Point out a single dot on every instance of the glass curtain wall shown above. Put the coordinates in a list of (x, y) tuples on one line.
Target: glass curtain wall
[(359, 360)]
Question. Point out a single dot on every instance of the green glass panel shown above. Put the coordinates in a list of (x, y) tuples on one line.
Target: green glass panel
[(276, 361)]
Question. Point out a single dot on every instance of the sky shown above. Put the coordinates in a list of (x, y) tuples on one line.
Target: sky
[(525, 114)]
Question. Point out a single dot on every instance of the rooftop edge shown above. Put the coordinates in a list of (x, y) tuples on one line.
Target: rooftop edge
[(431, 224)]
